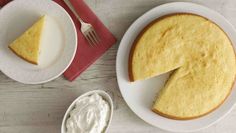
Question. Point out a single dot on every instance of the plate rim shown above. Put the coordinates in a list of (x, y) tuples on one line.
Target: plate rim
[(130, 29), (73, 54)]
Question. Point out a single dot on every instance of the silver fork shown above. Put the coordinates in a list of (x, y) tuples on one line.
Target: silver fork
[(86, 28)]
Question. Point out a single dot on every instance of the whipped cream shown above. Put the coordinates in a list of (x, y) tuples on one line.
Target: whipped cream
[(90, 115)]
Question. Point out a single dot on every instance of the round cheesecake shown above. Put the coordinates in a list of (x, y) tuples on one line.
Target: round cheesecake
[(201, 57)]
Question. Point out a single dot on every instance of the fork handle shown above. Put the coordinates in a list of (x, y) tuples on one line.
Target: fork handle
[(68, 3)]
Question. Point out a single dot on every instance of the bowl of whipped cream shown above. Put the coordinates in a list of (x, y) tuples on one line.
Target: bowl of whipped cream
[(89, 113)]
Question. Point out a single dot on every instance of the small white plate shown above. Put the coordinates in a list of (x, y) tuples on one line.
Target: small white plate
[(104, 95), (140, 95), (59, 41)]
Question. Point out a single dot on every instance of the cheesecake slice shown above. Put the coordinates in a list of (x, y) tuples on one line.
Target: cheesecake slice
[(201, 57), (27, 46)]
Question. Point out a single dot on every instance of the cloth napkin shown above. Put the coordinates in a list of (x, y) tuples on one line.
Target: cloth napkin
[(3, 2), (85, 54)]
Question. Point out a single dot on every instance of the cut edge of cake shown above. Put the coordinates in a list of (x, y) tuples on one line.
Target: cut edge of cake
[(189, 118), (130, 59)]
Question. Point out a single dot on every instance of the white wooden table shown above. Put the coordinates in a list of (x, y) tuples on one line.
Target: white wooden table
[(40, 108)]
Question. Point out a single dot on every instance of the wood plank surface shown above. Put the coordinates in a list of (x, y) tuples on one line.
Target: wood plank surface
[(40, 108)]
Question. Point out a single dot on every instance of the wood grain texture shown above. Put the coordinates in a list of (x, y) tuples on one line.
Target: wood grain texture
[(40, 108)]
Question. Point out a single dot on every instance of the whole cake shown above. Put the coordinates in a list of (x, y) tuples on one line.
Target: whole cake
[(201, 57), (27, 46)]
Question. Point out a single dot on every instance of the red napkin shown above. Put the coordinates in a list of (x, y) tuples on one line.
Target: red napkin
[(85, 54), (4, 2)]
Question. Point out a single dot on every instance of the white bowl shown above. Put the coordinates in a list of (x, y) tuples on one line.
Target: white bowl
[(104, 95)]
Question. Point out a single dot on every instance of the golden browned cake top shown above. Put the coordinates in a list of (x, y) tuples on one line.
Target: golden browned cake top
[(200, 54), (27, 46)]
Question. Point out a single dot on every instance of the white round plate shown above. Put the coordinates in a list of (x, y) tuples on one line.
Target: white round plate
[(59, 41), (140, 95)]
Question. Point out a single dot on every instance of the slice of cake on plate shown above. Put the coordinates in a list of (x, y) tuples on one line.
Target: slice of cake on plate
[(27, 46)]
